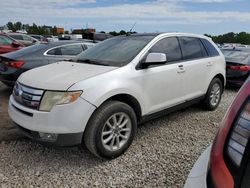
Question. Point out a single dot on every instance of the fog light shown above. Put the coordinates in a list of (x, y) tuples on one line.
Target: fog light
[(48, 136)]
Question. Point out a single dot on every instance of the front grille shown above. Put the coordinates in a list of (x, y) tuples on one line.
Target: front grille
[(27, 96)]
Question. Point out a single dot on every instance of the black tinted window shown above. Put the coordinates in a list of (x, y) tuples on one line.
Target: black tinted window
[(55, 51), (27, 38), (72, 50), (192, 48), (169, 46), (211, 50), (17, 37)]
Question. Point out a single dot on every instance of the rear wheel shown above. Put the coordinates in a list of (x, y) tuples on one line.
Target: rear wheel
[(213, 96), (111, 130)]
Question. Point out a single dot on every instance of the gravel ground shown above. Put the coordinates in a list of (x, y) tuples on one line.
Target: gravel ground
[(161, 155)]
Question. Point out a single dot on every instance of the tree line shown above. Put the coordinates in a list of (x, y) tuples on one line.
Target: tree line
[(231, 37), (45, 30), (32, 29)]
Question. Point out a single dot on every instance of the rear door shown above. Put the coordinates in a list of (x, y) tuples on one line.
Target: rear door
[(195, 67)]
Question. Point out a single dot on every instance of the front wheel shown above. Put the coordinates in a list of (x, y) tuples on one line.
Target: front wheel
[(111, 130), (213, 96)]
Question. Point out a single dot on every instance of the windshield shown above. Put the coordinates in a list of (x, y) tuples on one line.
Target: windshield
[(235, 56), (117, 51)]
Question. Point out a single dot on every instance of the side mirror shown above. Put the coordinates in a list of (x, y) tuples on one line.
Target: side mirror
[(154, 59), (15, 44)]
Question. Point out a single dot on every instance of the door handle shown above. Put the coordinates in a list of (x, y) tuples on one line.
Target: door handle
[(181, 69), (209, 64)]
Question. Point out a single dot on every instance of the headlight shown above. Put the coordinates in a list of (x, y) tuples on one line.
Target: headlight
[(52, 98)]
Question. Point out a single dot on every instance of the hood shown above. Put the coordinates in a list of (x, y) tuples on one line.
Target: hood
[(61, 75)]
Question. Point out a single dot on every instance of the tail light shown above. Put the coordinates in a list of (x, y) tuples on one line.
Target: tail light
[(15, 64), (240, 68), (239, 137), (231, 140)]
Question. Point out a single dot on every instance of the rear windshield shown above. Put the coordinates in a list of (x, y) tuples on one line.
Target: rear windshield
[(235, 55), (24, 51)]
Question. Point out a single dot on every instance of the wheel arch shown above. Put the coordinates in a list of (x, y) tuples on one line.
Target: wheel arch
[(131, 101), (222, 79)]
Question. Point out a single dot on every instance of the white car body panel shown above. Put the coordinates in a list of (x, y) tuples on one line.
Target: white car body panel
[(100, 83), (61, 75), (198, 174)]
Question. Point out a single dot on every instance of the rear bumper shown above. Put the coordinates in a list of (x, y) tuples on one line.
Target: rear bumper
[(237, 80), (11, 75), (198, 174), (235, 83)]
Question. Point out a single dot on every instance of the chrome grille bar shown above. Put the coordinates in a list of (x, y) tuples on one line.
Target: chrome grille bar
[(27, 96)]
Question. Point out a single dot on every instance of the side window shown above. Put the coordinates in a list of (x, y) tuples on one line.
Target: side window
[(211, 50), (17, 37), (72, 50), (27, 38), (169, 46), (5, 41), (192, 48), (55, 51), (89, 46)]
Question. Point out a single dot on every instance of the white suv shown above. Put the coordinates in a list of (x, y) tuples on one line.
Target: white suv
[(101, 97)]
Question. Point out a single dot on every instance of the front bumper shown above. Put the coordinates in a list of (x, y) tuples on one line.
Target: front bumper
[(198, 174), (66, 121), (62, 140)]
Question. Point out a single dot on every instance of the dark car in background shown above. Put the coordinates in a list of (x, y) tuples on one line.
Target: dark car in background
[(24, 39), (227, 163), (39, 37), (7, 44), (12, 65), (237, 65)]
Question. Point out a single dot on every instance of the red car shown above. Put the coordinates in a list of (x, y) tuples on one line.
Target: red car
[(226, 164), (8, 44)]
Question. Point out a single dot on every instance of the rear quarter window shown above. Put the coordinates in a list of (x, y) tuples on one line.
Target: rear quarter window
[(192, 48), (211, 50)]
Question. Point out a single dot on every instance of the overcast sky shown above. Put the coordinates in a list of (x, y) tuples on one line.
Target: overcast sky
[(198, 16)]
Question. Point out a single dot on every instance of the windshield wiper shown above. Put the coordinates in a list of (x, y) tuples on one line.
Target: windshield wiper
[(90, 61)]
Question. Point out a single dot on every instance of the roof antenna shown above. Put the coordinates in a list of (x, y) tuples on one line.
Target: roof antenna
[(130, 31)]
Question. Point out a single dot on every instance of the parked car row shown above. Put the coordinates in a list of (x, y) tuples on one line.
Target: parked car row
[(12, 65), (237, 57), (238, 65), (97, 97), (24, 39), (100, 97), (8, 44)]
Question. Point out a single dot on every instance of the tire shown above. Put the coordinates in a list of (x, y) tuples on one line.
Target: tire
[(101, 133), (213, 95)]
